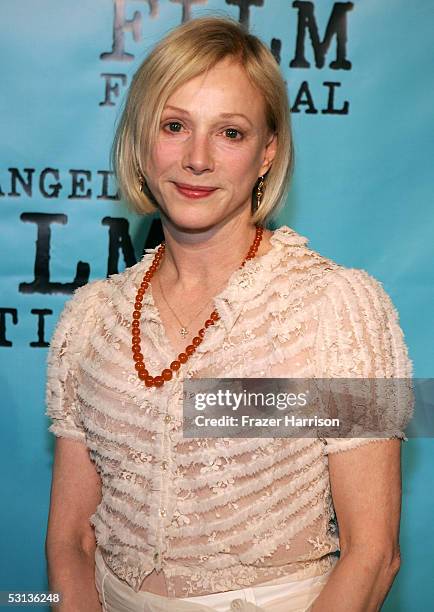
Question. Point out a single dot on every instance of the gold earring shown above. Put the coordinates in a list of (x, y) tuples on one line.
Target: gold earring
[(259, 192), (140, 178)]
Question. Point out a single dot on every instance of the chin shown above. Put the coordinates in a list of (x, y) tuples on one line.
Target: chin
[(197, 226), (193, 220)]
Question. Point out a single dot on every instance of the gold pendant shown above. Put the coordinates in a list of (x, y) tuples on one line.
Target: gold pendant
[(184, 331)]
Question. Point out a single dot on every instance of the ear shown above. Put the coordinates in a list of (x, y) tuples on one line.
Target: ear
[(269, 153)]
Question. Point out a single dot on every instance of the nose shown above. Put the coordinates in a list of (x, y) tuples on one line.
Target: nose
[(198, 157)]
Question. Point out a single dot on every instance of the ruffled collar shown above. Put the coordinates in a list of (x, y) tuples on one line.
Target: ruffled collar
[(243, 284)]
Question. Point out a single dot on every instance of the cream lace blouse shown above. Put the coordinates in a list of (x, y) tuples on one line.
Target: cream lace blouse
[(217, 514)]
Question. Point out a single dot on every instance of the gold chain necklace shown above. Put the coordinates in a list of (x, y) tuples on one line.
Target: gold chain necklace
[(167, 373), (184, 329)]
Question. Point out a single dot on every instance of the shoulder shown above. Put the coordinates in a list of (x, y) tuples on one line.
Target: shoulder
[(355, 289), (358, 318), (97, 299), (336, 287), (298, 256), (307, 271), (78, 308), (100, 292), (73, 321)]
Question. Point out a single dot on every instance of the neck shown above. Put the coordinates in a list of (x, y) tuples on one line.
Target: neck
[(205, 258)]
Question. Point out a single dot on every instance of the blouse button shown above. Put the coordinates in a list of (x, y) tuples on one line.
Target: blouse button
[(162, 511), (236, 604), (167, 418), (164, 465)]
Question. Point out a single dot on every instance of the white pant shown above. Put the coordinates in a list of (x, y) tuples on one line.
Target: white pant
[(293, 596)]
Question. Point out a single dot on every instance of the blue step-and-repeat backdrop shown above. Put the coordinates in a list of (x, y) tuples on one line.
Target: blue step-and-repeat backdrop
[(361, 88)]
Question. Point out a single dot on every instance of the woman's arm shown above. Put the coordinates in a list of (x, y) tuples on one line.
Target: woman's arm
[(70, 542), (366, 489)]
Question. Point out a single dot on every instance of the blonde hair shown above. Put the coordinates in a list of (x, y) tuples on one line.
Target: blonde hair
[(186, 52)]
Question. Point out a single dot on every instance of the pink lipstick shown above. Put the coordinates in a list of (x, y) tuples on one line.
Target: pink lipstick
[(193, 191)]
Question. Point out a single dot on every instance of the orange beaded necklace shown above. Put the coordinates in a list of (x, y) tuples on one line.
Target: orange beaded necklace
[(167, 373)]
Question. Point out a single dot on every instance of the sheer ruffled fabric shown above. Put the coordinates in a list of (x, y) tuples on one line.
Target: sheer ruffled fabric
[(212, 515)]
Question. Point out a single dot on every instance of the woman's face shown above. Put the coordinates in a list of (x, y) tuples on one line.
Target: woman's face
[(213, 134)]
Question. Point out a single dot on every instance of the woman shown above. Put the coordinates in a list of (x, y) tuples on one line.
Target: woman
[(141, 518)]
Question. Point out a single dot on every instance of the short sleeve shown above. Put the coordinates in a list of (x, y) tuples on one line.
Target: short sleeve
[(66, 342), (359, 337)]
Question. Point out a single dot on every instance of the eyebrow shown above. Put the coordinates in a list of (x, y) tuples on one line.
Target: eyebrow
[(222, 115)]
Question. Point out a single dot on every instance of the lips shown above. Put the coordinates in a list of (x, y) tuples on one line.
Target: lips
[(194, 191)]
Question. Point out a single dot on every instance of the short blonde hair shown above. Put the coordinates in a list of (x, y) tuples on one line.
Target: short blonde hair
[(188, 51)]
